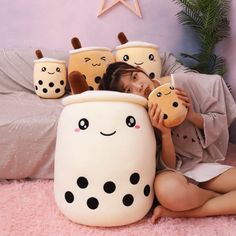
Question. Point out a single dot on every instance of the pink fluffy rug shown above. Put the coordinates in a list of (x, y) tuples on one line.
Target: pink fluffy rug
[(28, 208)]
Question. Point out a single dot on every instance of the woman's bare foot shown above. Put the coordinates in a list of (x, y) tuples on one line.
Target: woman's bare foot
[(157, 214), (161, 211)]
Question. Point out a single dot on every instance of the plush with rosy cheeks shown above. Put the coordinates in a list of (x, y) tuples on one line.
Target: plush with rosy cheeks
[(105, 159), (140, 54), (173, 110), (49, 76), (91, 62)]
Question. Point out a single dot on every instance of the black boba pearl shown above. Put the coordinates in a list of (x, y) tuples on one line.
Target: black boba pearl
[(175, 104), (152, 75), (69, 197), (51, 84), (91, 88), (128, 200), (62, 82), (146, 190), (165, 116), (36, 87), (45, 90), (40, 82), (109, 187), (57, 90), (82, 182), (134, 178), (92, 203), (97, 79)]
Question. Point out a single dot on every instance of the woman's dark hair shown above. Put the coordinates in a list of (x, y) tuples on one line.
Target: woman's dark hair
[(114, 71)]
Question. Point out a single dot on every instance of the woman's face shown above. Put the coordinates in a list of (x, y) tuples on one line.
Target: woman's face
[(137, 83)]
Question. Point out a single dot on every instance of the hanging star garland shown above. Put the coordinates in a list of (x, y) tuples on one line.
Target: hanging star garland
[(105, 7)]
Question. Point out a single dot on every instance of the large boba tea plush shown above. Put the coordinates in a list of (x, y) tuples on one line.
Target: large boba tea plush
[(105, 159), (141, 54), (91, 62), (49, 76), (174, 111)]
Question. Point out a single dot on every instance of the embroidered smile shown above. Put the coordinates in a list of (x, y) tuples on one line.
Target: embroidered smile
[(110, 134)]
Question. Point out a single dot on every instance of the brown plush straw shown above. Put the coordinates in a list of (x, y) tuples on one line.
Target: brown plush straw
[(77, 82), (122, 38), (39, 54), (76, 43)]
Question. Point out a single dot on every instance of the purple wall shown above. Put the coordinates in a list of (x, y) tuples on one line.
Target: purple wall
[(51, 24)]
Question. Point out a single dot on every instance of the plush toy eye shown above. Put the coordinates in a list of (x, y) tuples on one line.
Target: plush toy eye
[(151, 57), (130, 121), (159, 94), (152, 75), (125, 57), (43, 69), (58, 69), (83, 124), (172, 88), (103, 58), (86, 59)]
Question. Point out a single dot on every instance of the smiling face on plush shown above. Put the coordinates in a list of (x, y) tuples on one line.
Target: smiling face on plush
[(105, 159), (90, 126), (171, 106), (49, 78), (91, 62), (141, 54)]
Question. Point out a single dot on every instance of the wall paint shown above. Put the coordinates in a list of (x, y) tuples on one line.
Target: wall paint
[(51, 24)]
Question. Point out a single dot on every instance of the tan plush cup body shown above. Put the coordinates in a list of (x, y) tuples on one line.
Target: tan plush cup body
[(171, 106), (91, 62), (49, 78), (104, 165), (141, 54)]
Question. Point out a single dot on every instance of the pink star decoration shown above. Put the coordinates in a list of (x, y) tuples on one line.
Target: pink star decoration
[(135, 9)]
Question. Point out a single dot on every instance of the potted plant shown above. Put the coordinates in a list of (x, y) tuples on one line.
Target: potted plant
[(209, 20)]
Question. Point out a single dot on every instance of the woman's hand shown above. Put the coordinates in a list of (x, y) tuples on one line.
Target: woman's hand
[(156, 117), (192, 116), (186, 102)]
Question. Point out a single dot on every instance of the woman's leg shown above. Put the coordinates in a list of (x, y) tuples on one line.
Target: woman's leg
[(223, 183), (175, 192), (220, 205), (223, 204)]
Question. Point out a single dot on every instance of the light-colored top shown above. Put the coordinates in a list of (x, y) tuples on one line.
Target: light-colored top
[(212, 99)]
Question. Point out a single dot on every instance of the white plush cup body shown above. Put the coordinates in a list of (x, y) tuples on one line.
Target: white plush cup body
[(105, 159)]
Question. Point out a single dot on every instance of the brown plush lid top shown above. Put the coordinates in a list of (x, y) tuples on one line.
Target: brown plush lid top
[(39, 54), (122, 38), (76, 43)]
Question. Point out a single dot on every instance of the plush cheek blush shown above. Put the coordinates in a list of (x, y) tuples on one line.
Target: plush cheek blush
[(137, 126), (77, 130)]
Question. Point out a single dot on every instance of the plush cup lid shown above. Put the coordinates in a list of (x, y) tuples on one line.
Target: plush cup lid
[(108, 96), (137, 44), (85, 49), (46, 59)]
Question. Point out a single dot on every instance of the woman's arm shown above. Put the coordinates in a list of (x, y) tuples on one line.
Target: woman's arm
[(168, 151)]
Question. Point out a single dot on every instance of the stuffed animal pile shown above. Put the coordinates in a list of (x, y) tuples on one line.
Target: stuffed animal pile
[(105, 158)]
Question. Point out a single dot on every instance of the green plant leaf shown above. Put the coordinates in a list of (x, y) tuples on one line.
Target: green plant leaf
[(208, 18)]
